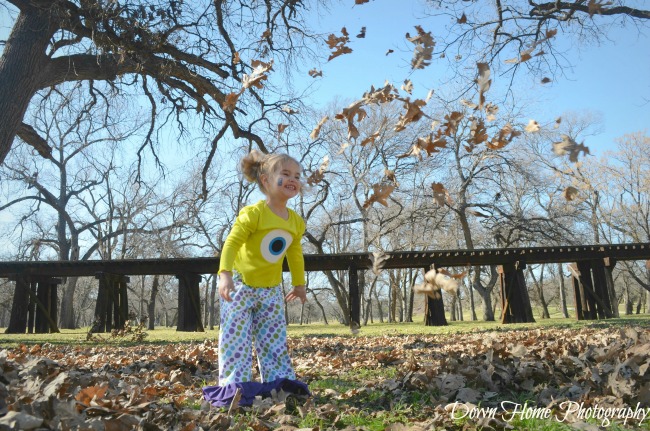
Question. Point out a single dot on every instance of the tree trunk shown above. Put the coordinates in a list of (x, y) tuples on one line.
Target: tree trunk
[(322, 309), (342, 298), (472, 303), (21, 67), (563, 306), (380, 309), (410, 294), (152, 301), (394, 288), (485, 292), (641, 302), (142, 301), (628, 299), (539, 287), (453, 309), (67, 318)]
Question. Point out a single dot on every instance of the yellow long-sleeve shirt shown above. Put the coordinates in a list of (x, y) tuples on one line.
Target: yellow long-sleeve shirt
[(257, 244)]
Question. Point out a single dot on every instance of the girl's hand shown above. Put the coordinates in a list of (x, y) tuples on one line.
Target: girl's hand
[(298, 292), (226, 285)]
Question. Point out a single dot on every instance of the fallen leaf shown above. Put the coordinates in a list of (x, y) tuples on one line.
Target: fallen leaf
[(230, 101), (371, 138), (570, 193), (428, 144), (483, 81), (532, 126), (413, 113), (491, 111), (450, 126), (596, 7), (505, 136), (289, 110), (476, 213), (362, 33), (381, 193), (338, 44), (266, 35), (408, 86), (390, 176), (462, 19), (349, 114), (568, 146), (316, 132), (478, 134), (260, 69), (440, 194), (378, 259), (343, 147), (315, 73), (423, 50), (318, 175)]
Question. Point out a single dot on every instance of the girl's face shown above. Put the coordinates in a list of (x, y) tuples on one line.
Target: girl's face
[(285, 183)]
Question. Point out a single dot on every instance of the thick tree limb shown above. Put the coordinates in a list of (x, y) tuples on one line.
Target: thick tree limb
[(33, 139)]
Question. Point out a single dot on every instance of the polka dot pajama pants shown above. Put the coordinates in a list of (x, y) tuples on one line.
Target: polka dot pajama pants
[(255, 315)]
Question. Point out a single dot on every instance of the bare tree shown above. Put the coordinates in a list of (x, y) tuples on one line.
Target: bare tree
[(515, 34), (628, 199), (78, 200), (183, 56)]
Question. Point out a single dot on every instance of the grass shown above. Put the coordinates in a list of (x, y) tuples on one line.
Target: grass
[(163, 335)]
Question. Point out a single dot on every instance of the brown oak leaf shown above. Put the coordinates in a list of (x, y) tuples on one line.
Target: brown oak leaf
[(423, 50), (568, 146), (316, 132), (380, 194)]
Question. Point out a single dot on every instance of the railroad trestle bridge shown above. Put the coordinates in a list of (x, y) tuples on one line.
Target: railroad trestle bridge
[(34, 307)]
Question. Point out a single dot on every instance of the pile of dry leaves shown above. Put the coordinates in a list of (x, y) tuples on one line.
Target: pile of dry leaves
[(585, 378)]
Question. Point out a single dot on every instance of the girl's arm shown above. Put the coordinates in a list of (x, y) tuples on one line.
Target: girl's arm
[(241, 230), (295, 259)]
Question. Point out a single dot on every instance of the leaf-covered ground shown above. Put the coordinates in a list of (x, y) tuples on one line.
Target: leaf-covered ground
[(590, 378)]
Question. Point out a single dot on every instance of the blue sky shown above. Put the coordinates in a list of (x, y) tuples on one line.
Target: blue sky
[(611, 80)]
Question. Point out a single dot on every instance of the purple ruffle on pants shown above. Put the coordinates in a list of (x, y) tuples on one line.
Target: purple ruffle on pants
[(222, 396)]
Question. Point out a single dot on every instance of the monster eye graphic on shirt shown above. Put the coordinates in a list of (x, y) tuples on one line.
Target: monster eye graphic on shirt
[(275, 244)]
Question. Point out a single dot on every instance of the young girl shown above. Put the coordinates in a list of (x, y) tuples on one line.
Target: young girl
[(250, 271)]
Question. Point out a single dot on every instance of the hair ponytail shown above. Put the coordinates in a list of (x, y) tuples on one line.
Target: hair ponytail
[(251, 166), (255, 164)]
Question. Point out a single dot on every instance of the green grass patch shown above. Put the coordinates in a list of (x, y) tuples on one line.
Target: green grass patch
[(163, 335), (418, 328)]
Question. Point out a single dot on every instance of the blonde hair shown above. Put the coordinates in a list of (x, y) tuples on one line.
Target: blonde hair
[(255, 164)]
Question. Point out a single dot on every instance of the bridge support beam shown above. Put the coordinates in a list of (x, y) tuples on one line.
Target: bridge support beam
[(189, 303), (592, 285), (112, 307), (355, 298), (34, 307), (515, 302), (434, 308)]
